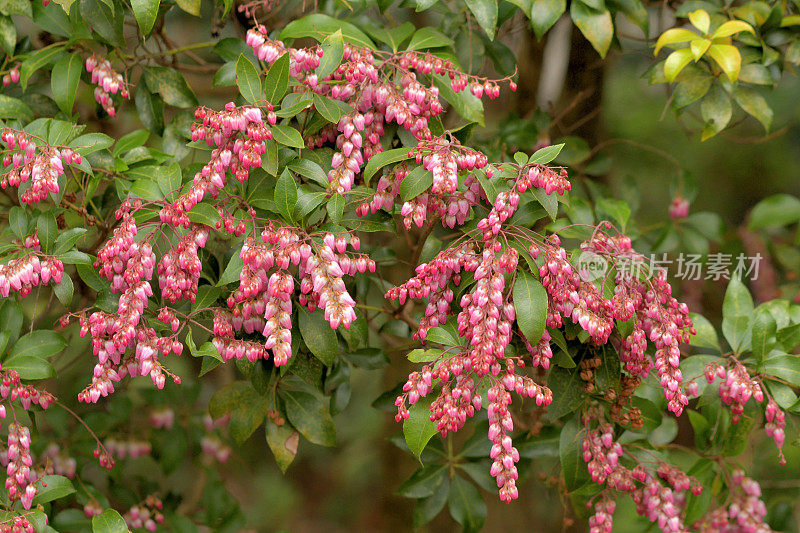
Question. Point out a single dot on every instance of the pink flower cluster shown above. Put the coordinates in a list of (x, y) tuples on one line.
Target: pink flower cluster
[(147, 514), (347, 162), (744, 511), (737, 388), (28, 271), (129, 266), (263, 300), (162, 418), (108, 82), (776, 422), (42, 165), (21, 480), (237, 135), (128, 449), (11, 77), (485, 323), (214, 448), (657, 502), (679, 208), (179, 269), (12, 388)]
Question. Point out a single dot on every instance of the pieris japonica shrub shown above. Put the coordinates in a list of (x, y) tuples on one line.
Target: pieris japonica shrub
[(204, 236)]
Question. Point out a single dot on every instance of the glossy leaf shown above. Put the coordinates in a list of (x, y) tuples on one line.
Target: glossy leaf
[(485, 12), (64, 81), (248, 80), (530, 303)]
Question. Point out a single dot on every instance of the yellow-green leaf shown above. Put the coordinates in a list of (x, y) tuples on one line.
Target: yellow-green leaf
[(675, 35), (675, 63), (700, 20), (699, 47), (728, 58), (731, 27)]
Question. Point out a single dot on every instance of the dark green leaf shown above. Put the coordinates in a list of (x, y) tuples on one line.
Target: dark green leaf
[(485, 12), (53, 488), (382, 159), (310, 415), (418, 428), (318, 336), (64, 81), (415, 183), (145, 12), (285, 195), (428, 37), (530, 303), (277, 80), (332, 52), (466, 504), (248, 80)]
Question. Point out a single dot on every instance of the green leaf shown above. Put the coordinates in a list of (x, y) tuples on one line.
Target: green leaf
[(418, 428), (466, 504), (485, 12), (171, 85), (545, 13), (786, 367), (150, 110), (169, 180), (415, 183), (145, 12), (382, 159), (764, 329), (287, 136), (311, 170), (232, 271), (427, 37), (717, 111), (203, 213), (737, 308), (30, 367), (16, 7), (468, 106), (634, 10), (789, 337), (64, 81), (8, 35), (596, 26), (423, 482), (331, 110), (47, 230), (394, 37), (53, 488), (570, 444), (283, 441), (207, 296), (248, 80), (706, 336), (277, 80), (109, 521), (18, 221), (776, 210), (14, 108), (318, 336), (129, 141), (105, 20), (41, 343), (335, 208), (67, 239), (190, 6), (567, 390), (91, 142), (309, 414), (530, 303), (285, 195), (332, 52), (542, 156), (427, 508), (617, 209), (37, 60), (320, 26), (64, 290)]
